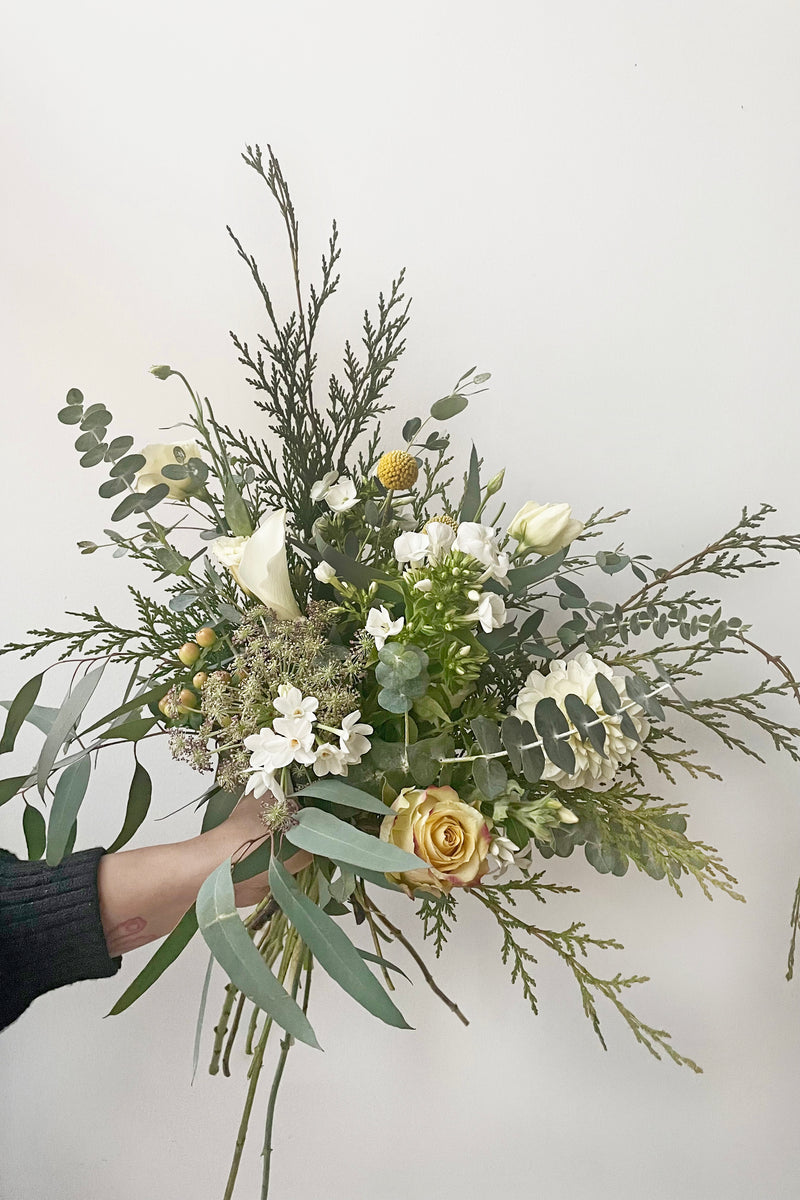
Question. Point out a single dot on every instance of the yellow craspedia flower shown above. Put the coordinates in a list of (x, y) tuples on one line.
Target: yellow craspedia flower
[(443, 519), (397, 470)]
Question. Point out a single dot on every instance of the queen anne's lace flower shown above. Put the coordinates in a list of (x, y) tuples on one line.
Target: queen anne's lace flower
[(576, 677)]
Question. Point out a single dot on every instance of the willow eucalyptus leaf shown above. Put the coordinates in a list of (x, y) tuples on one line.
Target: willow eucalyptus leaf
[(321, 833), (337, 792), (332, 948), (68, 716), (69, 794), (19, 711), (232, 947), (139, 796), (173, 945)]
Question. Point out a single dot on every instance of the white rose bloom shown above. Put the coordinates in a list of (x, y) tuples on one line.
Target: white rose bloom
[(290, 702), (263, 570), (158, 455), (330, 760), (354, 737), (324, 572), (412, 548), (381, 626), (341, 496), (545, 528), (440, 538), (577, 677), (320, 488), (491, 612)]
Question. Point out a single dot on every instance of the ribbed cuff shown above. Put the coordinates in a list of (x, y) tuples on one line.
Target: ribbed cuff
[(50, 928)]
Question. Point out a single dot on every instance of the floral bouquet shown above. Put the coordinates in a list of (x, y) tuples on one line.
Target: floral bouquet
[(424, 697)]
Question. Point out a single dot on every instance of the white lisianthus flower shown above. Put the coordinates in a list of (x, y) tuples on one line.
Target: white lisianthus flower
[(330, 760), (290, 702), (577, 677), (320, 488), (411, 547), (381, 626), (158, 455), (491, 612), (324, 572), (354, 737), (440, 539), (341, 496), (228, 551), (545, 528), (262, 569)]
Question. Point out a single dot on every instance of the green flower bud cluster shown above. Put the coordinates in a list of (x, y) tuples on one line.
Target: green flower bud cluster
[(438, 612), (403, 675)]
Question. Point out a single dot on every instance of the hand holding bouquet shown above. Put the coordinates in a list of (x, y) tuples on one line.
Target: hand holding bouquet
[(423, 693)]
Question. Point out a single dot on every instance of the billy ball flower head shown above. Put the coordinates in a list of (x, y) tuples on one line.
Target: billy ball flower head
[(397, 470), (577, 677)]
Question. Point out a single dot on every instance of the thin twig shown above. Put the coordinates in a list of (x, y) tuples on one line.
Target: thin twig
[(431, 982)]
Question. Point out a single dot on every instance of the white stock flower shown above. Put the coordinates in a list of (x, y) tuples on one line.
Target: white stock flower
[(330, 760), (545, 528), (480, 543), (381, 626), (290, 702), (491, 612), (354, 737), (440, 539), (577, 677), (341, 496), (263, 570), (320, 488), (411, 547), (158, 455), (324, 572)]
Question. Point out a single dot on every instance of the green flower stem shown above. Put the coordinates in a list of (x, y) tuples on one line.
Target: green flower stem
[(286, 1045), (221, 1028), (255, 1070), (237, 1016), (557, 737)]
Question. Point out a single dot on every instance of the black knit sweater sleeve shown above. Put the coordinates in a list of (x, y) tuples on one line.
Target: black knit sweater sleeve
[(50, 928)]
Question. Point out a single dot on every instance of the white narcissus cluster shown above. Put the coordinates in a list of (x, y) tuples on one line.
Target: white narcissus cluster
[(292, 739), (577, 677)]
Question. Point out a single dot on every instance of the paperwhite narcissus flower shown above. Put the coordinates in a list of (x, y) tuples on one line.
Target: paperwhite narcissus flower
[(263, 782), (324, 572), (576, 677), (341, 496), (290, 702), (261, 568), (158, 455), (381, 626), (354, 737), (290, 740), (330, 760), (545, 528), (491, 612)]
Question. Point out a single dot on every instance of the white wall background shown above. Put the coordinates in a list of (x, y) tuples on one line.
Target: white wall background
[(598, 202)]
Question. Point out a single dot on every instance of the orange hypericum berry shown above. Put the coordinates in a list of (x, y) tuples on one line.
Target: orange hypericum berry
[(397, 470), (199, 679), (187, 698)]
